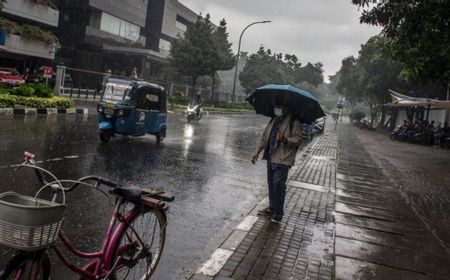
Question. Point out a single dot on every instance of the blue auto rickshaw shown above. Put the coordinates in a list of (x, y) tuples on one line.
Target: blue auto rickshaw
[(129, 107)]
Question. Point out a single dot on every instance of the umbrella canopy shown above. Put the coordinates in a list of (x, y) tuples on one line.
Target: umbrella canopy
[(301, 104)]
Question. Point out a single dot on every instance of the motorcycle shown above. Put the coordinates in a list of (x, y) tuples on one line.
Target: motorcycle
[(399, 134), (194, 112)]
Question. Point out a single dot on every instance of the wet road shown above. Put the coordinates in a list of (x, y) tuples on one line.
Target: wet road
[(204, 164)]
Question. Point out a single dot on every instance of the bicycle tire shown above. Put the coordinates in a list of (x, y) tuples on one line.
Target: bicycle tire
[(24, 263), (153, 218)]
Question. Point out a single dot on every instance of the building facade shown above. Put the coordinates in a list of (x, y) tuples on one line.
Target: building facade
[(28, 27), (124, 36), (120, 35)]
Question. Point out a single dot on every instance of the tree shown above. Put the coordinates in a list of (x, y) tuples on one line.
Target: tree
[(266, 67), (225, 59), (195, 53), (310, 73), (418, 33), (2, 4), (263, 68), (369, 77)]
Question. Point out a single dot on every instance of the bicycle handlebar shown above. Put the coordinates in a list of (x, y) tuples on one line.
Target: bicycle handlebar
[(29, 159)]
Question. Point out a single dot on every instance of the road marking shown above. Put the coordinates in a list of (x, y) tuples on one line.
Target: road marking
[(217, 260), (41, 161), (247, 223)]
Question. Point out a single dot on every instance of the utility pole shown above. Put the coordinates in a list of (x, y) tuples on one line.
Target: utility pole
[(237, 57)]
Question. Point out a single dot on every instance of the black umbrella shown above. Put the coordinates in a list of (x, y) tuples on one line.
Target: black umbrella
[(301, 104)]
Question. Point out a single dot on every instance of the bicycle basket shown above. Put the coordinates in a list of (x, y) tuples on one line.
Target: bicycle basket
[(28, 223)]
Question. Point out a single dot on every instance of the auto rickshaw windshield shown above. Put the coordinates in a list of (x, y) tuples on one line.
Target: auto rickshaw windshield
[(116, 91)]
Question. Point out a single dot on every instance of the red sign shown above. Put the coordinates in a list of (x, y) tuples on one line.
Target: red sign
[(48, 71)]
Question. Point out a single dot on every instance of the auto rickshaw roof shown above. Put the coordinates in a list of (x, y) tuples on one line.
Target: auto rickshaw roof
[(135, 83)]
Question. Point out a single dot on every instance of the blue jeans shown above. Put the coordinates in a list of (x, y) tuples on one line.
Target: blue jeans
[(276, 180)]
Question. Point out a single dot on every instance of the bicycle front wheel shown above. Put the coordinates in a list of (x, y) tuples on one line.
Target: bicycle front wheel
[(140, 247), (27, 266)]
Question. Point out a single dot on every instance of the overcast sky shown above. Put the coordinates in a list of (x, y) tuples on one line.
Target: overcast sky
[(314, 30)]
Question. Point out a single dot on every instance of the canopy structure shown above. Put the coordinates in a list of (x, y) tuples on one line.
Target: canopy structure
[(401, 100)]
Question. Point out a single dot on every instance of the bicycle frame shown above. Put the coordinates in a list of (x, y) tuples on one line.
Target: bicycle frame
[(102, 262)]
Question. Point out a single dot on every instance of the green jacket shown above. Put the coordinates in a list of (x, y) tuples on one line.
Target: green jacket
[(284, 153)]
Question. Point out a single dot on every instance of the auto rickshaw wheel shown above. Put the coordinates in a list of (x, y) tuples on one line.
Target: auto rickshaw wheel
[(105, 135), (161, 135)]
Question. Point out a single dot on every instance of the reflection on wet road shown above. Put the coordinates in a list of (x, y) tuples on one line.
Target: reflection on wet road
[(204, 164)]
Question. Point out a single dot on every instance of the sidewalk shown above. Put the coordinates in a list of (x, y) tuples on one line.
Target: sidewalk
[(302, 246), (344, 219)]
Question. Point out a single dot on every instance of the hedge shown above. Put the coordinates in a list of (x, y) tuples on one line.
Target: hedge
[(37, 90), (8, 101)]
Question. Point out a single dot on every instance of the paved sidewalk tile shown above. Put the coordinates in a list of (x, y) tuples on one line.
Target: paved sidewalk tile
[(378, 235), (302, 246)]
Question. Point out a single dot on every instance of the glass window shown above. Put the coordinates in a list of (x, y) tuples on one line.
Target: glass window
[(119, 27), (181, 26), (164, 44), (115, 91)]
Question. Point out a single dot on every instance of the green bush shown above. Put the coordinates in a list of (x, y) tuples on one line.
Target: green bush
[(37, 102), (182, 100), (42, 90), (7, 101), (23, 90), (356, 115)]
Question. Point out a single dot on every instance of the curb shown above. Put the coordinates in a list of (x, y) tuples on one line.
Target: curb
[(210, 268), (215, 112), (41, 111)]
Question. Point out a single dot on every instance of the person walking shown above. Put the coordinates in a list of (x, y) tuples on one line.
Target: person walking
[(280, 142)]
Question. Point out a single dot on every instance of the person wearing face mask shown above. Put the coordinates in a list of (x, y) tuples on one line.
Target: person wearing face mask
[(280, 142)]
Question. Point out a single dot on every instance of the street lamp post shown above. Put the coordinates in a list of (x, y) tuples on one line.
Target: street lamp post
[(238, 54)]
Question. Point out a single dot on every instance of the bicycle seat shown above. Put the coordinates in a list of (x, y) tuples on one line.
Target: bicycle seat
[(131, 194)]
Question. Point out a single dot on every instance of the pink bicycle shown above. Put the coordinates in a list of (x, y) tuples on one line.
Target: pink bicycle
[(132, 246)]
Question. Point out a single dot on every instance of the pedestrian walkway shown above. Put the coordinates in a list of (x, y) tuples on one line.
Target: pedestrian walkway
[(302, 246), (344, 219), (378, 235)]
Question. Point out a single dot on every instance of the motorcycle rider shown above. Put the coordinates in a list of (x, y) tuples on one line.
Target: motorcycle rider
[(197, 102)]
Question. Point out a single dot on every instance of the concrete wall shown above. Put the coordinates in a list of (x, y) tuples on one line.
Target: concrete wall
[(172, 9), (32, 11), (19, 45), (134, 11)]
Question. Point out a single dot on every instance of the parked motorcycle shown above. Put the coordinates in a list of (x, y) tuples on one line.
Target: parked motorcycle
[(399, 134), (319, 126), (194, 112)]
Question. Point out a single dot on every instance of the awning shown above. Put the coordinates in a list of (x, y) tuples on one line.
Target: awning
[(401, 100), (151, 54)]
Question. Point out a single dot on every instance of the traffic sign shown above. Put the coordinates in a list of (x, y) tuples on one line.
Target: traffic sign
[(48, 71)]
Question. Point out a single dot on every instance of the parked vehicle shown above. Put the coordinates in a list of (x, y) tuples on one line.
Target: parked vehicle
[(399, 134), (135, 108), (11, 77), (365, 124), (308, 131), (446, 143), (133, 242), (194, 112), (319, 125)]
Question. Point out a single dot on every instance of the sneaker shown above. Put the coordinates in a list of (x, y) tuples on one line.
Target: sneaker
[(266, 211), (276, 220)]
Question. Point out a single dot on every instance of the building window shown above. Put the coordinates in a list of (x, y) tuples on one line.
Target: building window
[(181, 26), (164, 45), (119, 27)]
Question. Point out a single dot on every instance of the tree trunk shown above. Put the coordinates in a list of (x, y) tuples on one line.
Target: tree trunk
[(194, 83), (383, 115), (211, 94)]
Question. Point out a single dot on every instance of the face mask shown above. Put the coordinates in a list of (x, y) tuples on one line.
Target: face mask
[(278, 112)]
